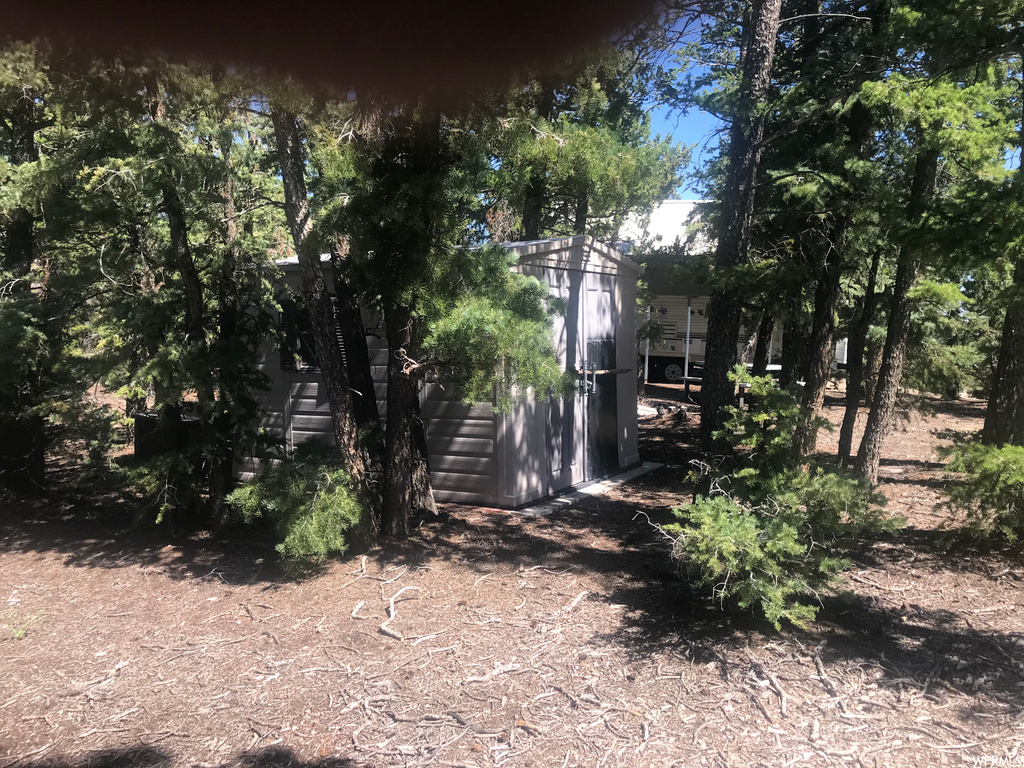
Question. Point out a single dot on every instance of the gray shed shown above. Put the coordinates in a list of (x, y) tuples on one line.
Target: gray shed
[(541, 447)]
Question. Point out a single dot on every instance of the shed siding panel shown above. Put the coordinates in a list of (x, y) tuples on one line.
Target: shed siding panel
[(468, 428), (471, 465), (455, 410), (321, 425), (559, 436), (311, 405), (462, 497), (460, 441), (458, 445)]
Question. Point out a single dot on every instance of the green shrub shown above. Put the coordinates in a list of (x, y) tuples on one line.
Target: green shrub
[(168, 489), (990, 498), (308, 499), (772, 534)]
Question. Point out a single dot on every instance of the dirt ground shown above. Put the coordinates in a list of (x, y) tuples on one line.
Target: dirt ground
[(490, 639)]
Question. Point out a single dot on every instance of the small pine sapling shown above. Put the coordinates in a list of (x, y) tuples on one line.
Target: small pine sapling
[(770, 533), (989, 498)]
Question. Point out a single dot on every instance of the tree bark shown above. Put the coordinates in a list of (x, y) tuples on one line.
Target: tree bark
[(19, 237), (750, 348), (873, 354), (23, 439), (184, 264), (821, 350), (349, 317), (1004, 417), (169, 406), (894, 353), (536, 190), (399, 425), (407, 484), (747, 130), (318, 303), (855, 361), (223, 458), (582, 211), (764, 341), (794, 348)]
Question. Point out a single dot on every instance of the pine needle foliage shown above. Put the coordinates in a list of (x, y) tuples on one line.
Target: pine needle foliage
[(309, 501), (489, 329), (771, 534), (989, 499)]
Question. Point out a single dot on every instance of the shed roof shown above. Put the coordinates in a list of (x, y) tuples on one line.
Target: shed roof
[(581, 252)]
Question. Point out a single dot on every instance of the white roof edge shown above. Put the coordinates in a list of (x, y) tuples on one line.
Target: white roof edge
[(293, 261)]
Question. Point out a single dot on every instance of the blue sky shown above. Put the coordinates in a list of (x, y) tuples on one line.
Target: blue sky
[(696, 128)]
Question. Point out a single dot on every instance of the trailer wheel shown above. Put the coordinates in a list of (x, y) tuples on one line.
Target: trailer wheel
[(673, 372)]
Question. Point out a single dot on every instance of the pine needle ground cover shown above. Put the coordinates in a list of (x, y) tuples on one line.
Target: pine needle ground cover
[(558, 641)]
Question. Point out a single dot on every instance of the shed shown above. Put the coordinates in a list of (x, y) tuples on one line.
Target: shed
[(544, 445)]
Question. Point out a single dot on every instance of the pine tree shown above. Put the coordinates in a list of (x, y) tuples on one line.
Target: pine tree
[(144, 175), (745, 136), (572, 153), (1004, 418)]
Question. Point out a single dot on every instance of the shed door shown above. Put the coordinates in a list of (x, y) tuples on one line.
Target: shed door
[(602, 424), (565, 417)]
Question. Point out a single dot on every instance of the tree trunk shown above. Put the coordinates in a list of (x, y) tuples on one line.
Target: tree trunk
[(745, 136), (582, 211), (1004, 417), (855, 361), (747, 355), (794, 349), (820, 349), (349, 317), (537, 187), (318, 303), (894, 354), (533, 206), (401, 418), (181, 258), (231, 390), (19, 237), (873, 359), (407, 485), (422, 486), (821, 352), (764, 342)]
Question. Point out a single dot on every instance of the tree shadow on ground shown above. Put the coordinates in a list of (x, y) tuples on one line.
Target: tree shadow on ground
[(963, 409), (614, 540), (969, 408), (918, 464), (936, 551), (102, 536), (914, 647), (936, 483), (150, 757)]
